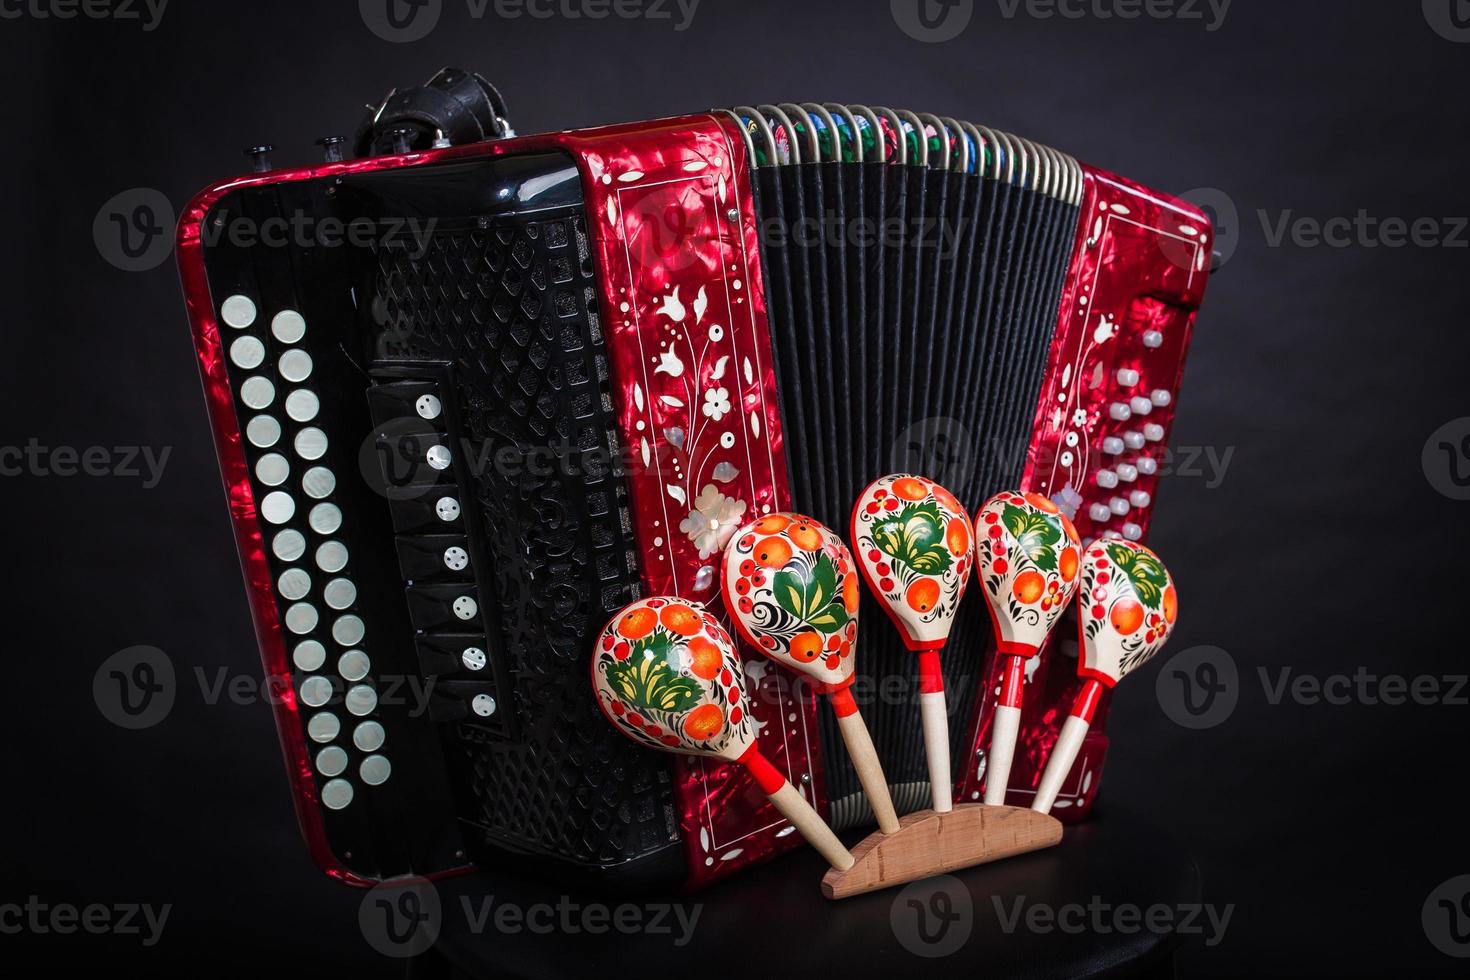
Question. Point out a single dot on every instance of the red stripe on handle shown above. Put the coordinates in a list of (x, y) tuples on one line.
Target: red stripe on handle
[(1087, 700), (842, 702), (931, 678), (760, 767), (1014, 682)]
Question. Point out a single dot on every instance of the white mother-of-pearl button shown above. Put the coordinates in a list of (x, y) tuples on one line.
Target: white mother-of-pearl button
[(466, 607), (1153, 432), (309, 655), (263, 431), (310, 443), (237, 311), (302, 405), (288, 326), (368, 736), (295, 365), (1160, 397), (331, 556), (277, 507), (1132, 532), (272, 469), (447, 508), (1147, 465), (1127, 473), (1107, 479), (1133, 440), (301, 618), (1140, 405), (483, 705), (316, 691), (438, 457), (336, 794), (456, 559), (323, 726), (289, 545), (331, 761), (318, 482), (473, 658), (1112, 445), (375, 770), (257, 392), (428, 407), (1153, 339), (1118, 506), (353, 665), (1099, 513), (325, 518), (1140, 498), (1127, 377), (348, 630), (1120, 411), (361, 699), (247, 352), (339, 593), (294, 584)]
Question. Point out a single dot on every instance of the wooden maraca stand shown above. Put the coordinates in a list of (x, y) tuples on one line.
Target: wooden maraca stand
[(929, 843)]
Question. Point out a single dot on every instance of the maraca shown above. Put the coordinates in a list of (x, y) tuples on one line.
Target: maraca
[(792, 591), (667, 676), (914, 544), (1125, 614), (1028, 555)]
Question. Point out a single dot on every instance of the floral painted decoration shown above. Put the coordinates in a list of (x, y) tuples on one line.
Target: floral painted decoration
[(1128, 606), (1028, 555), (792, 590), (667, 676), (915, 545)]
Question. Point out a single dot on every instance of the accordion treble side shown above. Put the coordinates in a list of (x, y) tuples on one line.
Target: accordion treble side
[(553, 373)]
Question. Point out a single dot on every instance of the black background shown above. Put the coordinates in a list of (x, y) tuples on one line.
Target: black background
[(1324, 548)]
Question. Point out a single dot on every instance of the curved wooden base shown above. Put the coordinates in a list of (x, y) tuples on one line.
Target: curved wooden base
[(928, 843)]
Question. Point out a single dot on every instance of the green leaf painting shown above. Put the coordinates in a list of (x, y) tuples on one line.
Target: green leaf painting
[(1144, 572), (648, 680), (1037, 535), (812, 595), (915, 537)]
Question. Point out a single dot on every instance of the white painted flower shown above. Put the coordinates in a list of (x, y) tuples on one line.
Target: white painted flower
[(713, 521), (716, 403), (1079, 417), (669, 363)]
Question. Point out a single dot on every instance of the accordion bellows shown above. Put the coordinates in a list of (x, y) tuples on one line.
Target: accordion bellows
[(558, 371)]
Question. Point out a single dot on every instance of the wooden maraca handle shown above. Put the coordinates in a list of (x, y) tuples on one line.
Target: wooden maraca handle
[(1069, 743), (934, 714), (1004, 731), (864, 759), (794, 807)]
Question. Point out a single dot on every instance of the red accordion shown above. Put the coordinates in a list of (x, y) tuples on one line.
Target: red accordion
[(555, 372)]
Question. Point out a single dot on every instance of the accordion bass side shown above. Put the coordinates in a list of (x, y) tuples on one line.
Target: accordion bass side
[(529, 380)]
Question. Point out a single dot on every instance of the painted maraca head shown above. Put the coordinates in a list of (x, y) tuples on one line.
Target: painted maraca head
[(1028, 554), (915, 546), (1127, 608), (791, 588), (667, 676)]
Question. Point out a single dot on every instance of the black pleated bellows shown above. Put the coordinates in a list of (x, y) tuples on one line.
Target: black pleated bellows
[(912, 305)]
